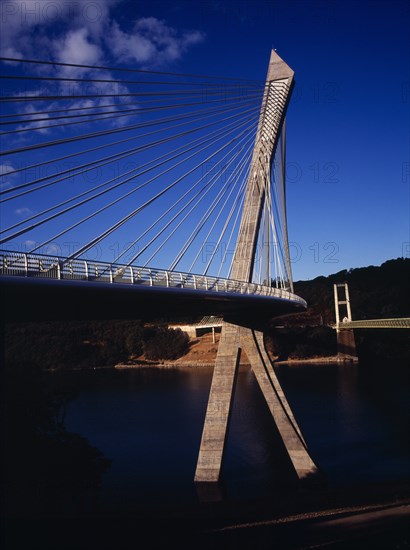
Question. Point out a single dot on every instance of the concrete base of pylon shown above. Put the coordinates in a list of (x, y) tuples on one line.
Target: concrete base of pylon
[(234, 339)]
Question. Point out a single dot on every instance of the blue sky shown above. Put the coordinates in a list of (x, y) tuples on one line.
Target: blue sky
[(348, 122)]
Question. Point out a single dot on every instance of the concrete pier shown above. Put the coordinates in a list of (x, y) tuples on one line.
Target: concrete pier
[(278, 404), (346, 344), (219, 406), (234, 339)]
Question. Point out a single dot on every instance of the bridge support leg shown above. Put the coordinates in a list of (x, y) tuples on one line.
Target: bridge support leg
[(233, 339), (288, 428), (219, 406)]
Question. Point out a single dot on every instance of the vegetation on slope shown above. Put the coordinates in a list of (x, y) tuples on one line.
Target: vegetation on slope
[(375, 293), (59, 345)]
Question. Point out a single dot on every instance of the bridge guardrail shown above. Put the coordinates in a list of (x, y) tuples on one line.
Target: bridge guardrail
[(55, 267), (400, 322)]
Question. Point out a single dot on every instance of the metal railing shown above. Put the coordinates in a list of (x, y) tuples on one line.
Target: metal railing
[(400, 322), (52, 267)]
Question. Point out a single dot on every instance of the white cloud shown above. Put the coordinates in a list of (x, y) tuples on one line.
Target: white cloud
[(77, 48), (151, 43), (26, 20), (24, 212), (129, 47), (40, 125), (5, 176), (87, 33)]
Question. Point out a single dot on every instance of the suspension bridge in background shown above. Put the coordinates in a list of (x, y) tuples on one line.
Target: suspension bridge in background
[(173, 204)]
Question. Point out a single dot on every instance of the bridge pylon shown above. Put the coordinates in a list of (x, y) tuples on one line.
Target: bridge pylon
[(235, 338)]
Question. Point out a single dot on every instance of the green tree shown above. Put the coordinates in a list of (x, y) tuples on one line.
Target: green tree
[(165, 343)]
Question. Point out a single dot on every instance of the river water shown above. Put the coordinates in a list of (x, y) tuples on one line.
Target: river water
[(148, 422)]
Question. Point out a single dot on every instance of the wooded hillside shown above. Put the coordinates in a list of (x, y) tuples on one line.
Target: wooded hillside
[(375, 293)]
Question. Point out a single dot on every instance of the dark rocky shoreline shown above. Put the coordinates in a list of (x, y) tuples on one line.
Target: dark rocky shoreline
[(352, 518)]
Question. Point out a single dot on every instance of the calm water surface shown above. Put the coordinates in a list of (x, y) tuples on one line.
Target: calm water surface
[(355, 419)]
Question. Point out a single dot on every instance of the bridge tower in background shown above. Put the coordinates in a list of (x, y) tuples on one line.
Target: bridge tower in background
[(236, 337)]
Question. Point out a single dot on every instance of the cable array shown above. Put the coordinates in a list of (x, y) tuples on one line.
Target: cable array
[(149, 170), (273, 258)]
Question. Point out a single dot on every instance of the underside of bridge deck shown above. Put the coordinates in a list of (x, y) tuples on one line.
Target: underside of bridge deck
[(30, 299)]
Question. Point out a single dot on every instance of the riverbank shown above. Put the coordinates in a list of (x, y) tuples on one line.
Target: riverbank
[(202, 354), (331, 360), (122, 344), (376, 517), (163, 365), (138, 364)]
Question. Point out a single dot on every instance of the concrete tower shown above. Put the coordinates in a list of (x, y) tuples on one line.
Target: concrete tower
[(235, 338)]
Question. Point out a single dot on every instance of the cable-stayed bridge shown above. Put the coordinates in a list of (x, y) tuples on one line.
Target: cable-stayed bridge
[(159, 182), (129, 191)]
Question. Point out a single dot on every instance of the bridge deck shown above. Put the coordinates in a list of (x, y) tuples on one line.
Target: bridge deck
[(36, 286)]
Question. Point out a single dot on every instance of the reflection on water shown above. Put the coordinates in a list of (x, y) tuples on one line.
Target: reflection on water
[(355, 419), (149, 423)]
